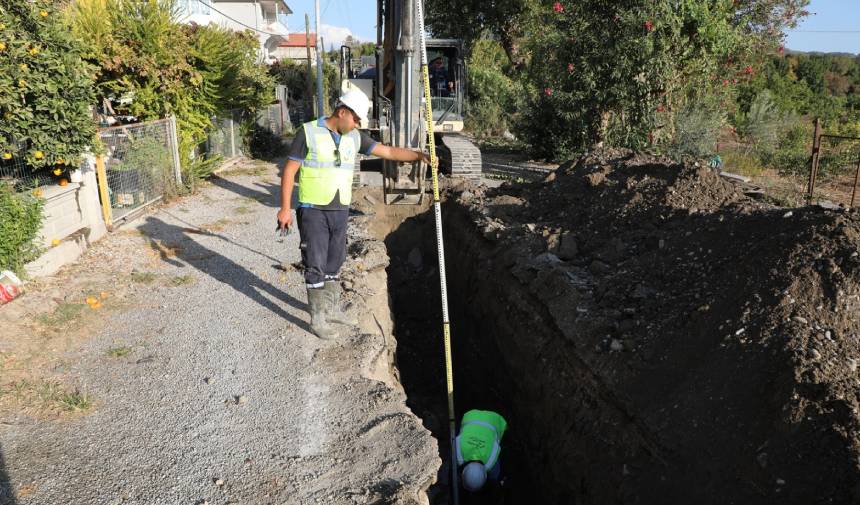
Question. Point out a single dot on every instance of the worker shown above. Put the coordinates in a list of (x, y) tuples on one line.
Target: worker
[(440, 81), (478, 448), (323, 154)]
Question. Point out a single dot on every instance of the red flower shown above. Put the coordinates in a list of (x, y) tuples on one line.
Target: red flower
[(725, 82), (649, 25), (547, 91), (781, 50), (748, 70), (558, 7), (570, 67), (660, 108)]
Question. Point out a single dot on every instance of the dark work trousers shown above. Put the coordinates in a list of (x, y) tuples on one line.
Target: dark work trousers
[(323, 243)]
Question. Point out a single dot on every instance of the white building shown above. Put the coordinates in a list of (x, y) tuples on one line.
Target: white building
[(268, 18)]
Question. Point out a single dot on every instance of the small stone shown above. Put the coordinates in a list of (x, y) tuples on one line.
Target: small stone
[(780, 482), (661, 244), (828, 335), (852, 365), (370, 199), (762, 459), (704, 308), (788, 214), (208, 380), (815, 354), (219, 482), (241, 400), (616, 345), (801, 320), (740, 331)]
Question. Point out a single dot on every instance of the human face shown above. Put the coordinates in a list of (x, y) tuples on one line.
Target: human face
[(347, 121)]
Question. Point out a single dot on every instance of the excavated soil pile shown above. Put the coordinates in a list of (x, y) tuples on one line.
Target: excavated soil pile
[(655, 336)]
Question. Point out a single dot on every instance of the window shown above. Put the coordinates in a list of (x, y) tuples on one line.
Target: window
[(193, 7)]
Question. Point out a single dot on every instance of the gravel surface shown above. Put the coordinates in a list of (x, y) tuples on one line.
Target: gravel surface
[(224, 395)]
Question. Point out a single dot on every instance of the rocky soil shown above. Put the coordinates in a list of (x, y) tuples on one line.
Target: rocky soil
[(655, 336)]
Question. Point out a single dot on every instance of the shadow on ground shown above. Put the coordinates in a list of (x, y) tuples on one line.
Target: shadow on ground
[(176, 245), (7, 493)]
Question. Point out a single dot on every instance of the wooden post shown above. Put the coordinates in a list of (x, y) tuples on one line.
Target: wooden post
[(816, 154), (101, 177), (309, 92), (856, 179)]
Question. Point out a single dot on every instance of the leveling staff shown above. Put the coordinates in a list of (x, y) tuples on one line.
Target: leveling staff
[(323, 153)]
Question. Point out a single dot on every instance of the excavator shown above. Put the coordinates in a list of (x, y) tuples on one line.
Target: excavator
[(394, 87)]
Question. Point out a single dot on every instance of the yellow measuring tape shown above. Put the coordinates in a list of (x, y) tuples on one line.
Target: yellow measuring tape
[(437, 210)]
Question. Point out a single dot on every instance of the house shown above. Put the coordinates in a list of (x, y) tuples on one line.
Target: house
[(266, 18), (294, 48)]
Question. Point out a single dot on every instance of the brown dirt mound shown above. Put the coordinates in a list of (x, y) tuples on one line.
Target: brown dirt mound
[(709, 342)]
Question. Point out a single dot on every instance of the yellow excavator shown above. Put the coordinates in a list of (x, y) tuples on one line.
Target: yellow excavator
[(394, 87)]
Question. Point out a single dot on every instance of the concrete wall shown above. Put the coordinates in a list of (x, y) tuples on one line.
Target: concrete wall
[(73, 217)]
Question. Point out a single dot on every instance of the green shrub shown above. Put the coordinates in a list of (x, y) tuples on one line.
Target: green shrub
[(20, 220), (45, 88), (696, 128), (153, 164)]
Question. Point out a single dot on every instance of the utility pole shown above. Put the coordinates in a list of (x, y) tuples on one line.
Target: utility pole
[(309, 90), (320, 101)]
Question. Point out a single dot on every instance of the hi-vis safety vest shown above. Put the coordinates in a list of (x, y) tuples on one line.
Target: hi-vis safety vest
[(320, 177), (480, 436)]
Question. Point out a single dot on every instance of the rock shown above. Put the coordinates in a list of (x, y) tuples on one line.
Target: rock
[(616, 345), (415, 259), (567, 249), (595, 179), (219, 482), (799, 319), (815, 354), (598, 267), (208, 380), (780, 482), (547, 258), (370, 199), (852, 365), (762, 459), (788, 214), (551, 177), (241, 400)]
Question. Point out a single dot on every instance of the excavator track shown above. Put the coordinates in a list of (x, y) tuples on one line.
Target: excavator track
[(458, 157)]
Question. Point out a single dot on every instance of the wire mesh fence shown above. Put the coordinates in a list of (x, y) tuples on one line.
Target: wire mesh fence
[(141, 165), (837, 170), (225, 139), (16, 171)]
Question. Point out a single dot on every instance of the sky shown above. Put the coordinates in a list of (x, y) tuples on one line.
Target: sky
[(339, 18), (828, 15), (358, 18)]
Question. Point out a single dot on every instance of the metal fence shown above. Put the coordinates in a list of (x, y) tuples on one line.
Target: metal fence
[(24, 177), (835, 171), (141, 166), (227, 138)]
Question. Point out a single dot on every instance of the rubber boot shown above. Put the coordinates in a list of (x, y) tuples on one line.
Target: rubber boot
[(334, 312), (317, 301)]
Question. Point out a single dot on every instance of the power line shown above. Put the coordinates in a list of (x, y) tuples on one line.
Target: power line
[(204, 2), (824, 31)]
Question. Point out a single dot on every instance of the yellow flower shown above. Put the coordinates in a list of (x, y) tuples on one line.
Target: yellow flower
[(55, 242), (61, 161), (43, 13), (58, 171), (7, 155), (23, 67), (37, 193), (34, 51), (22, 83), (2, 46), (38, 155), (91, 300)]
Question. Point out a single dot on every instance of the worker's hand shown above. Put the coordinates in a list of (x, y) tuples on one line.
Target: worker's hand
[(425, 157), (285, 219)]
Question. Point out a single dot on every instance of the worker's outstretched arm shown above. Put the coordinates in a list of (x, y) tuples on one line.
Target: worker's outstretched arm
[(398, 153), (288, 181)]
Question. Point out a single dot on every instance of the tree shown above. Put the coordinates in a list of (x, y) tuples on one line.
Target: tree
[(472, 19), (46, 90), (619, 72)]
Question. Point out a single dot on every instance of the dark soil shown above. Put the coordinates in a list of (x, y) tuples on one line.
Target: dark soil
[(655, 336)]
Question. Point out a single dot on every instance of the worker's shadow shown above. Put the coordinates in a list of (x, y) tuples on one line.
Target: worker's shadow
[(173, 242), (7, 493), (268, 194)]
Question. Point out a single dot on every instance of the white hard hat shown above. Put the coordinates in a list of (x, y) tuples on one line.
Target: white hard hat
[(474, 476), (357, 101)]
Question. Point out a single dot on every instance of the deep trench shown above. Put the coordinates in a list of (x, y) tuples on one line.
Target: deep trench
[(413, 284)]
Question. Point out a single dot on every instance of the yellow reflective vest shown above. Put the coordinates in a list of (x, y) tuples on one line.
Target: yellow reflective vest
[(328, 167)]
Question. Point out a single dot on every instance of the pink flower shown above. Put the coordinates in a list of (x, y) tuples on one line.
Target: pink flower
[(558, 7), (649, 25), (748, 70), (660, 108), (725, 82), (547, 91), (781, 50), (570, 67)]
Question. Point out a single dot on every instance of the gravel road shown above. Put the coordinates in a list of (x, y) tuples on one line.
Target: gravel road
[(224, 395)]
